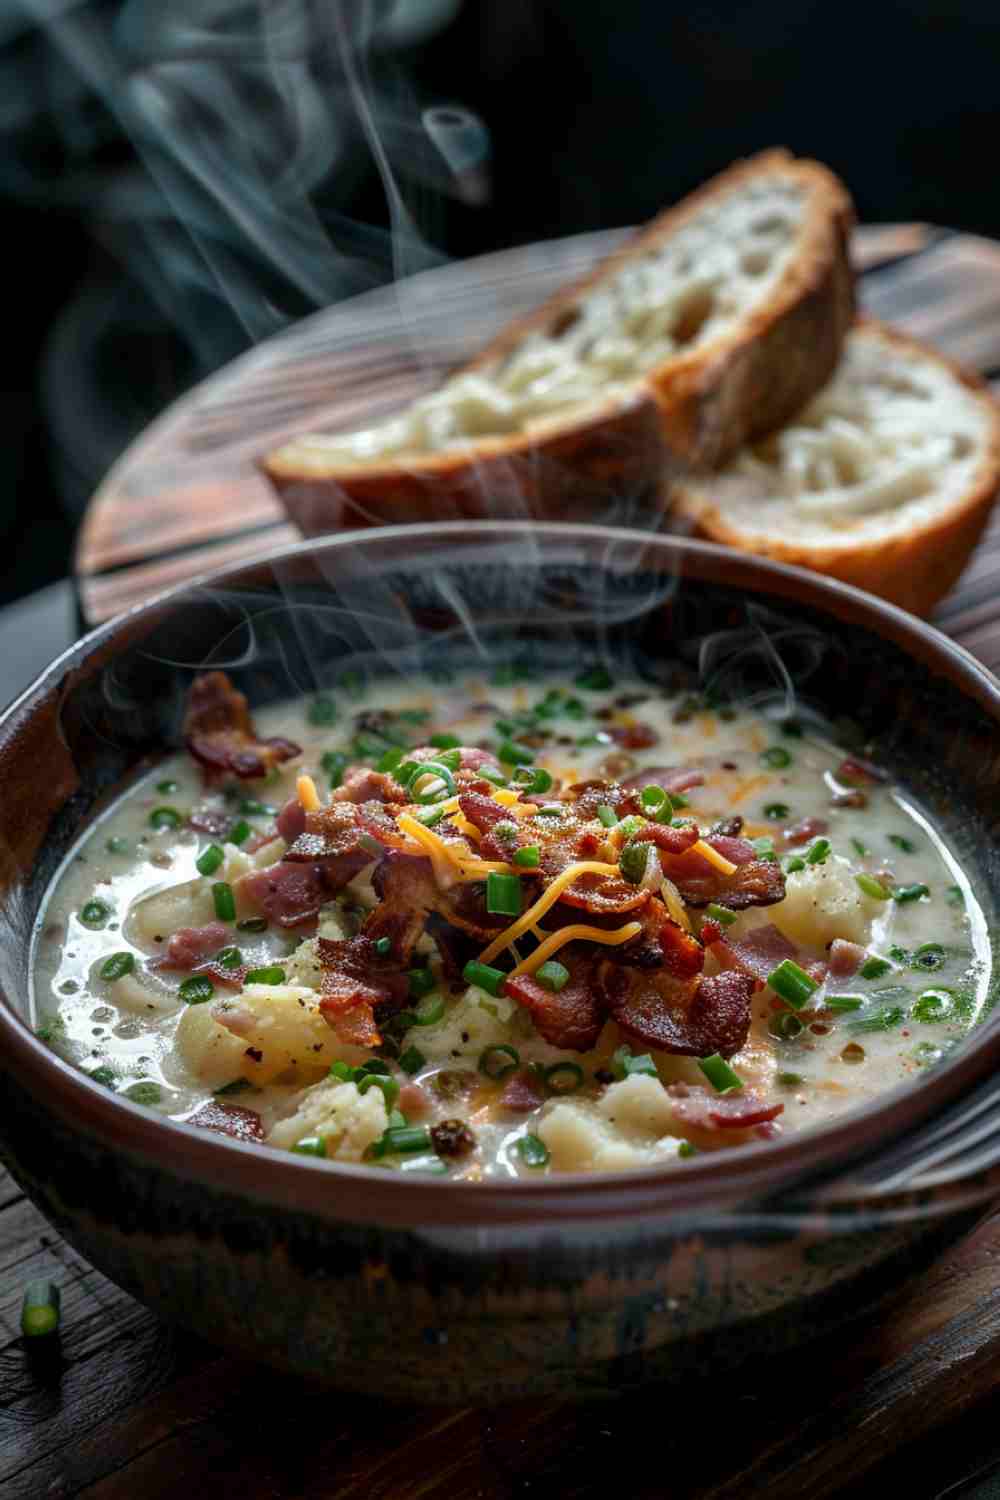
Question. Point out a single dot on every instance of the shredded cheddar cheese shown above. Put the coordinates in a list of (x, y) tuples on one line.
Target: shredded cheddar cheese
[(305, 790), (549, 897), (450, 862), (579, 930), (675, 906), (721, 863)]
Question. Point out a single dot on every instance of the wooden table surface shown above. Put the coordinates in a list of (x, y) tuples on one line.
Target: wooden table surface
[(120, 1405)]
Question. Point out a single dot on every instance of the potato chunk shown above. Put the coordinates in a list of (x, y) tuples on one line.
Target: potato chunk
[(824, 902), (281, 1033), (346, 1120)]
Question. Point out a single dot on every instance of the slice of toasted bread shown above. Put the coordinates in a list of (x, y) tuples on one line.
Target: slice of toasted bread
[(885, 479), (712, 325)]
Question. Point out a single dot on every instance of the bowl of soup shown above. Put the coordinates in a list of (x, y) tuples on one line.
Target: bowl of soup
[(503, 957)]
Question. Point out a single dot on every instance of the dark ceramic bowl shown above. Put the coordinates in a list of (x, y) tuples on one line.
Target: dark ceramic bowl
[(580, 1284)]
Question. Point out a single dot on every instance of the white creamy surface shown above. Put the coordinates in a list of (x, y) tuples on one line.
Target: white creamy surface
[(139, 1029)]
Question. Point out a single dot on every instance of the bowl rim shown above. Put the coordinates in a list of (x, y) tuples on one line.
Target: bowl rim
[(713, 1181)]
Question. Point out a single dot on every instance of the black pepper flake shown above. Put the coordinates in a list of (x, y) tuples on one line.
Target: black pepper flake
[(604, 1075), (255, 1054)]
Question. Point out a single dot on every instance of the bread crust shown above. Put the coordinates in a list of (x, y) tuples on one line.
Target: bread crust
[(913, 569), (692, 411)]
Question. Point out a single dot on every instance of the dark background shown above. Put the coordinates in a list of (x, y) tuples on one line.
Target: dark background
[(134, 268)]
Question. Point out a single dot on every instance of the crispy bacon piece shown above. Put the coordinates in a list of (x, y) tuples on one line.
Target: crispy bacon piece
[(362, 784), (803, 831), (755, 882), (219, 732), (757, 952), (329, 833), (407, 895), (291, 820), (571, 1017), (634, 737), (845, 958), (670, 778), (588, 796), (290, 893), (521, 1093), (703, 1110), (191, 946), (482, 811), (228, 1119), (670, 840), (356, 980), (692, 1018)]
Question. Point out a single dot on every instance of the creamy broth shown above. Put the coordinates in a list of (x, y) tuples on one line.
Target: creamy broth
[(255, 1056)]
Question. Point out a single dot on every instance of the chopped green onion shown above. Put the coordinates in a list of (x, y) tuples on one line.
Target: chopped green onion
[(445, 741), (391, 759), (450, 758), (882, 1020), (373, 1065), (607, 815), (872, 887), (429, 816), (40, 1309), (534, 779), (209, 861), (322, 711), (528, 857), (874, 967), (719, 1074), (929, 956), (168, 788), (794, 864), (910, 892), (422, 981), (632, 862), (389, 1087), (310, 1145), (844, 1002), (763, 847), (594, 680), (933, 1005), (118, 845), (860, 849), (499, 1060), (503, 894), (117, 966), (685, 1149), (777, 811), (792, 983), (165, 817), (624, 1063), (652, 799), (724, 915), (563, 1078), (342, 1071), (776, 757), (492, 774), (240, 832), (412, 1060), (144, 1092), (428, 1011), (906, 845), (95, 913), (790, 1080), (398, 1140), (271, 974), (252, 924), (383, 946), (552, 975), (196, 990), (437, 771), (515, 755), (818, 852), (956, 896), (222, 898), (104, 1075), (786, 1025), (532, 1150), (335, 763), (491, 980), (551, 810)]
